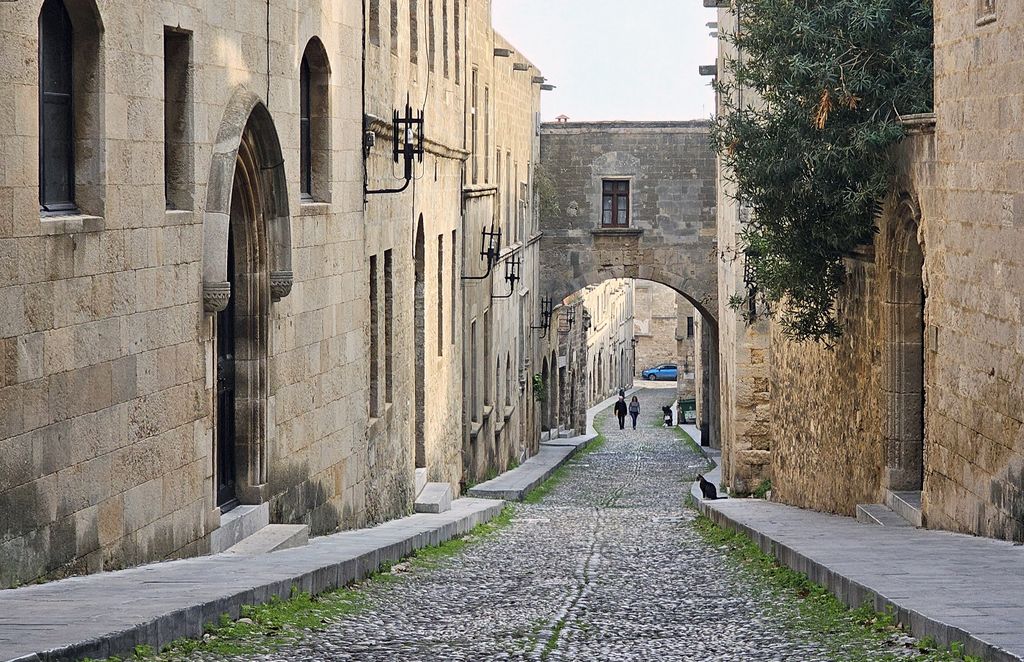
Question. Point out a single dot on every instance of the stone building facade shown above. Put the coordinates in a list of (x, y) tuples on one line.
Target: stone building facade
[(501, 419), (633, 200), (610, 337), (206, 316), (746, 439), (176, 289), (922, 396), (664, 325)]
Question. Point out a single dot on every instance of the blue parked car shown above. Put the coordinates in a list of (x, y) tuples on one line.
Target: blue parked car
[(666, 371)]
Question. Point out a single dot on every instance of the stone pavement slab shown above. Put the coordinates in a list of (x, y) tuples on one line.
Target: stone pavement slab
[(110, 613), (949, 586)]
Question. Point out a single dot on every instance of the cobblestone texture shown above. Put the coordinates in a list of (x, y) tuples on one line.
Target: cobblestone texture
[(607, 567)]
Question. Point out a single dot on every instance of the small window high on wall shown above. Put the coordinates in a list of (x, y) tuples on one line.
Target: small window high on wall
[(178, 174), (615, 203), (71, 151), (314, 124), (56, 110)]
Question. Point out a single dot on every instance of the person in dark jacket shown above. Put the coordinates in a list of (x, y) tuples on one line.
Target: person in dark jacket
[(620, 411)]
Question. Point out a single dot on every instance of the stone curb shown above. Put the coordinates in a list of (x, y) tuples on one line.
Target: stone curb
[(215, 585), (514, 485), (854, 594)]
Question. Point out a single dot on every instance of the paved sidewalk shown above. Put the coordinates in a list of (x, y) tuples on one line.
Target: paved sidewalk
[(514, 485), (949, 586), (110, 613)]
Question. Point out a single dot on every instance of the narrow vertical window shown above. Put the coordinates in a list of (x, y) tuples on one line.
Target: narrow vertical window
[(498, 192), (414, 31), (487, 358), (487, 134), (689, 327), (389, 332), (440, 295), (56, 128), (454, 280), (474, 111), (615, 203), (431, 46), (457, 33), (305, 138), (314, 123), (394, 27), (518, 206), (508, 195), (374, 347), (474, 389), (374, 27), (444, 37), (177, 119)]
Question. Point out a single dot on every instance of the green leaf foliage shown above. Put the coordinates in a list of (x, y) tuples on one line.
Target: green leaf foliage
[(810, 111)]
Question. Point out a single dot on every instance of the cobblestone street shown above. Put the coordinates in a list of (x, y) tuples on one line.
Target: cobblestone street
[(606, 567)]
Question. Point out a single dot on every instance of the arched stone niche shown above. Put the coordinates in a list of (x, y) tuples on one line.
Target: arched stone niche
[(245, 110)]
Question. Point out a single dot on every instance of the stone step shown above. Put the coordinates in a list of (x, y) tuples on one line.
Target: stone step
[(238, 524), (907, 505), (272, 538), (421, 479), (435, 498), (879, 514)]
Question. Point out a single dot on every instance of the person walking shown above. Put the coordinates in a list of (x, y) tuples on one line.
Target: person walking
[(620, 411), (634, 410)]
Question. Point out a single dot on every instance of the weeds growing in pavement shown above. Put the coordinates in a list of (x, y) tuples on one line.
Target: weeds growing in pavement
[(811, 608)]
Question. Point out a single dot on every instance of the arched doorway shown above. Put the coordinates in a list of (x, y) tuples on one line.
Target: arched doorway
[(554, 394), (246, 266), (903, 385), (421, 342), (545, 422)]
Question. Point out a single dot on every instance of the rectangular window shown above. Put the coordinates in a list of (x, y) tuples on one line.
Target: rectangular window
[(455, 279), (457, 29), (374, 27), (497, 193), (394, 27), (487, 135), (473, 110), (56, 114), (615, 203), (689, 327), (414, 31), (305, 134), (389, 326), (487, 358), (474, 390), (509, 195), (177, 119), (440, 295), (444, 36), (374, 349), (518, 206), (431, 45)]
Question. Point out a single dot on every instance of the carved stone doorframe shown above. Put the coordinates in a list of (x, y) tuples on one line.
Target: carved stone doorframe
[(903, 383)]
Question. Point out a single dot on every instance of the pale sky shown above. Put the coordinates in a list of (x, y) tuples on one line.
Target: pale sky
[(615, 59)]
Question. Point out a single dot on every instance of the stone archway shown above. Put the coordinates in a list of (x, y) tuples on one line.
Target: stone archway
[(242, 247), (903, 383), (246, 113)]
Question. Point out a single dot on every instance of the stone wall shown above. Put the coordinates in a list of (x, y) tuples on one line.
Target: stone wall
[(501, 424), (418, 424), (850, 421), (743, 348), (670, 234), (609, 338), (971, 222), (108, 375)]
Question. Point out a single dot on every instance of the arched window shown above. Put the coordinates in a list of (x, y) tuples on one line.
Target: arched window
[(56, 112), (305, 139), (314, 123)]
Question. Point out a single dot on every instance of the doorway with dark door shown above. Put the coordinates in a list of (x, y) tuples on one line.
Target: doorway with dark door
[(226, 472)]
